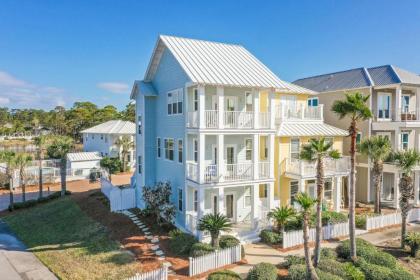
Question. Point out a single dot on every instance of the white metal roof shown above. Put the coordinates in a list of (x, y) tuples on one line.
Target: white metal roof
[(309, 129), (113, 127), (215, 63), (83, 156)]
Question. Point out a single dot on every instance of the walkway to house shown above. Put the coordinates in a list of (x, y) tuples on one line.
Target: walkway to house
[(16, 263), (257, 253)]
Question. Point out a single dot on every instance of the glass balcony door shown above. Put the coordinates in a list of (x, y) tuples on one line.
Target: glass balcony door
[(384, 106)]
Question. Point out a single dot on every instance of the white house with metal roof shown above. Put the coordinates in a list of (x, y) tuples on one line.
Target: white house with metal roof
[(395, 103), (102, 138), (83, 163), (209, 120)]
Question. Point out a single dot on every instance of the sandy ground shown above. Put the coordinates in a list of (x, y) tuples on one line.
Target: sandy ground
[(32, 192)]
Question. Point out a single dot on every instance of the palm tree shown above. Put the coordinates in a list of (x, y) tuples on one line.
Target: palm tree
[(41, 143), (307, 204), (21, 162), (214, 223), (58, 148), (354, 107), (125, 144), (406, 161), (282, 215), (378, 149), (8, 157), (318, 150)]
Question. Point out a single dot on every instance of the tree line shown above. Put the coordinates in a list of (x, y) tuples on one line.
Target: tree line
[(62, 121)]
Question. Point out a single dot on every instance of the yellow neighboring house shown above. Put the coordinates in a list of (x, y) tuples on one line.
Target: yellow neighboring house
[(299, 117)]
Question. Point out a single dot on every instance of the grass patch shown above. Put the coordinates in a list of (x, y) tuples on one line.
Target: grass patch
[(71, 244)]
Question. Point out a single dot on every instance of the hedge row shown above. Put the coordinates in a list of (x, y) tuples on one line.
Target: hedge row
[(33, 202)]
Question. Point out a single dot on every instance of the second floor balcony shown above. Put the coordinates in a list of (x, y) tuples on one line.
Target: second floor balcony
[(230, 119), (229, 172), (298, 168)]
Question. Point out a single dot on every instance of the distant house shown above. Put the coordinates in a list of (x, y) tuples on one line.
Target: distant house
[(102, 138)]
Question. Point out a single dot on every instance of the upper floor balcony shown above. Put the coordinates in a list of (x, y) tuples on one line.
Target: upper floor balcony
[(285, 112), (230, 119), (297, 168)]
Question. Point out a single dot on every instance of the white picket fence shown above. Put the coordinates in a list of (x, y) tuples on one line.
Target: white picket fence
[(158, 274), (119, 198), (382, 221), (295, 237), (214, 260)]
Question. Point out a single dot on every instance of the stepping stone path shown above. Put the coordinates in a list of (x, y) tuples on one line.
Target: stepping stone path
[(153, 239)]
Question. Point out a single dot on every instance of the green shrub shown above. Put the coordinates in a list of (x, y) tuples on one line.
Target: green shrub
[(328, 253), (373, 271), (413, 240), (180, 243), (200, 249), (175, 233), (352, 272), (368, 252), (297, 272), (270, 237), (322, 275), (26, 204), (330, 217), (263, 271), (291, 260), (227, 241), (360, 221), (224, 275)]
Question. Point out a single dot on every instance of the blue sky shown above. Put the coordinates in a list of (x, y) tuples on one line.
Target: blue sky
[(57, 52)]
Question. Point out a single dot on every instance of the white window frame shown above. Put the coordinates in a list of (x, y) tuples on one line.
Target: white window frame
[(387, 94), (180, 144), (175, 102), (248, 150), (331, 191), (403, 143), (403, 96), (247, 195), (290, 151), (168, 150), (180, 200), (158, 147), (311, 101), (249, 94)]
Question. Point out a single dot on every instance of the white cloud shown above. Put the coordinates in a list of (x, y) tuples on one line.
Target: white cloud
[(114, 87), (18, 93)]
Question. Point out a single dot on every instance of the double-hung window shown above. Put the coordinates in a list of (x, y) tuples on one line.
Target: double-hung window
[(248, 101), (294, 189), (248, 149), (404, 141), (313, 102), (169, 149), (139, 124), (140, 164), (180, 200), (158, 147), (195, 151), (195, 201), (294, 148), (175, 100), (328, 190), (180, 149), (195, 100), (247, 196)]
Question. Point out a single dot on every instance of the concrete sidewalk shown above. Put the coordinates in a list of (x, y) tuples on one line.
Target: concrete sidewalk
[(257, 253), (16, 263)]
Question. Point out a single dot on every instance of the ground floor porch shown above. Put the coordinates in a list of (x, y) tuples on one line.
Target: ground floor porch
[(245, 205)]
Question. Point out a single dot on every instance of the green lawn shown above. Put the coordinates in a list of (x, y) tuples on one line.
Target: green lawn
[(71, 244)]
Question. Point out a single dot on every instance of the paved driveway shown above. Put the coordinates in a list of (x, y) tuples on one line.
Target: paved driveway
[(16, 263)]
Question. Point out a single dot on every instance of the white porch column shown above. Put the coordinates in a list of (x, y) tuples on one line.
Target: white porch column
[(302, 185), (398, 92), (397, 139), (255, 155), (220, 106), (396, 190), (337, 194), (270, 197), (220, 157), (416, 188), (201, 106), (271, 99), (200, 212), (271, 148), (255, 201), (256, 107), (221, 200), (418, 103), (201, 155)]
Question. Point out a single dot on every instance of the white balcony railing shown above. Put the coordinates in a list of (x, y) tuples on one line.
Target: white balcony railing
[(284, 112), (264, 169), (237, 119), (404, 115), (212, 120), (192, 119), (210, 173), (307, 169), (238, 171)]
